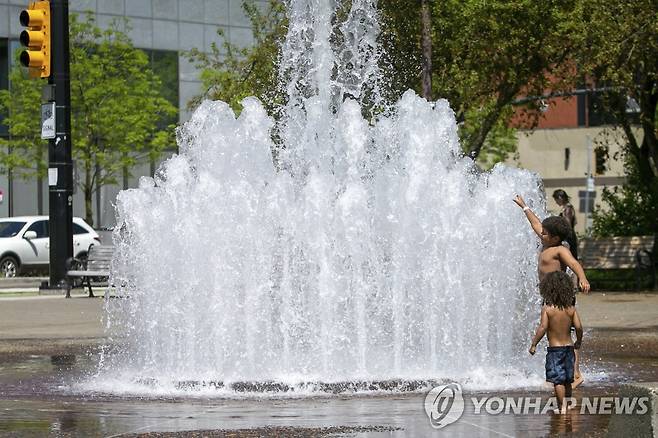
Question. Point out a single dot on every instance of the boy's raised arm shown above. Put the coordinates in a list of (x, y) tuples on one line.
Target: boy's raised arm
[(579, 330), (541, 330), (571, 262), (535, 223)]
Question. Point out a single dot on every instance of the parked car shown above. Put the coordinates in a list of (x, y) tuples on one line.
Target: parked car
[(25, 243)]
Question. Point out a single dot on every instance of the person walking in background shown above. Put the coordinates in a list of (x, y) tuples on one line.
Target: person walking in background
[(569, 213)]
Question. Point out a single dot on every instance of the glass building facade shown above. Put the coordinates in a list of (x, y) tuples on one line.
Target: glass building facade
[(164, 29)]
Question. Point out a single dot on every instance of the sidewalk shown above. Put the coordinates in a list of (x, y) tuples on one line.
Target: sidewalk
[(56, 317), (20, 284), (50, 317), (30, 286), (49, 324), (619, 310), (78, 321)]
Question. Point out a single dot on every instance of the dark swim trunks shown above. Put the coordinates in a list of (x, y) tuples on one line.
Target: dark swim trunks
[(559, 364)]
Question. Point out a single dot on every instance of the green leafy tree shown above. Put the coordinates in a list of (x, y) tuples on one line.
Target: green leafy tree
[(117, 111), (630, 210), (619, 54), (481, 56), (25, 152), (230, 73), (485, 54)]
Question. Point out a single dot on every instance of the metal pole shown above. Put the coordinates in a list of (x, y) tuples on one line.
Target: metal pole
[(10, 175), (589, 186), (59, 151)]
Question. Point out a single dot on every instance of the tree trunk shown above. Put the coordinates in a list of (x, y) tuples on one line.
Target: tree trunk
[(426, 45), (98, 195), (475, 142), (89, 190), (649, 147), (642, 152)]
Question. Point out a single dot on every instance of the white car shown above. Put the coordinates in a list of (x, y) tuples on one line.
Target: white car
[(25, 243)]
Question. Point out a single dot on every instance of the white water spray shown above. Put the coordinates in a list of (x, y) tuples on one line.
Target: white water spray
[(373, 251)]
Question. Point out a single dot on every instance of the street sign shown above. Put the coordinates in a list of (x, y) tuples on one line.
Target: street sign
[(590, 184), (48, 120), (53, 175)]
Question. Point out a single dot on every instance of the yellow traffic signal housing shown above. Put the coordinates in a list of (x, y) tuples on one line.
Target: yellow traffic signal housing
[(36, 38)]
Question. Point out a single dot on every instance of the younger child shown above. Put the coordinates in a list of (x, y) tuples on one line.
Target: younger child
[(558, 315)]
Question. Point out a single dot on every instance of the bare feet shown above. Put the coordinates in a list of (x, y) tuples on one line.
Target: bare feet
[(565, 409), (577, 381)]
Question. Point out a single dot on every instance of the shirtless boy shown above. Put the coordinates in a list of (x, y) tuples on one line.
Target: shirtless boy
[(558, 315), (554, 256)]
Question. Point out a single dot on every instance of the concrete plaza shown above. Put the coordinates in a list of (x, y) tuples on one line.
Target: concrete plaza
[(36, 332)]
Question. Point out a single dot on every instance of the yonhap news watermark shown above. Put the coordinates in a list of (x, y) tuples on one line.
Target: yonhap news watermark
[(445, 405)]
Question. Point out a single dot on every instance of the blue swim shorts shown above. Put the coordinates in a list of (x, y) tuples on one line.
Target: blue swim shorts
[(559, 364)]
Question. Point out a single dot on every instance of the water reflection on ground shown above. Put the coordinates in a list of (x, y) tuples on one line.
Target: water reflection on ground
[(365, 416), (36, 399)]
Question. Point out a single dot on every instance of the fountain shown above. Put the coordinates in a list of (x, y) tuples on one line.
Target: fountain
[(368, 250)]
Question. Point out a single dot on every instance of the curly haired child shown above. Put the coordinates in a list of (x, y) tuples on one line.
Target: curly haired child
[(558, 315)]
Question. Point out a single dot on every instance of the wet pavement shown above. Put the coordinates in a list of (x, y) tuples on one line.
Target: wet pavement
[(36, 401), (40, 363)]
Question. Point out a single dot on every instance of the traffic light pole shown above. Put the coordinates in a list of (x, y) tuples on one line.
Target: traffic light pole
[(60, 168)]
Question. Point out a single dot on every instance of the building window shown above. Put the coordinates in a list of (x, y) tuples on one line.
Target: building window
[(165, 64), (567, 158), (8, 57), (593, 110), (582, 110), (597, 113), (586, 201)]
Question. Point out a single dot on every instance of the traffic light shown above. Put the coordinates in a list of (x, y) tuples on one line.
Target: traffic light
[(601, 156), (36, 38)]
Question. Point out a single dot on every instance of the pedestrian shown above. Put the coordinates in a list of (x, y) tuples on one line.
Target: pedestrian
[(569, 213)]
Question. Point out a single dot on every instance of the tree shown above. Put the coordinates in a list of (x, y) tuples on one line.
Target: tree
[(619, 54), (426, 45), (484, 56), (231, 73), (630, 210), (25, 152), (481, 56), (116, 110)]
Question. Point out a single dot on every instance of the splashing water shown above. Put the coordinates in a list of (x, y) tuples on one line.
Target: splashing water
[(372, 249)]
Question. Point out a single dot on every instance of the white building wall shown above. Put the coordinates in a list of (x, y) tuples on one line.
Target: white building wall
[(543, 151)]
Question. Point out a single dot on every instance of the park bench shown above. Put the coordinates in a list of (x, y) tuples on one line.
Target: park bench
[(620, 254), (96, 268)]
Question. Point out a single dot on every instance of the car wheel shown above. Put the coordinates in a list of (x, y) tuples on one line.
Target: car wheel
[(8, 267)]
